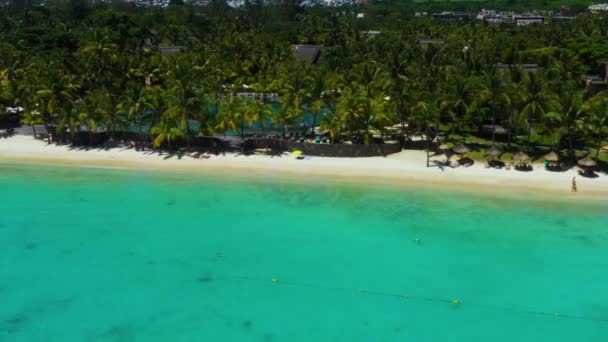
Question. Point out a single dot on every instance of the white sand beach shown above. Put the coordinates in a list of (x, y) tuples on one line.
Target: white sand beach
[(405, 168)]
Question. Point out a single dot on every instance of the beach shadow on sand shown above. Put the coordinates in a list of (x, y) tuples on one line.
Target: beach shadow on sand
[(441, 164), (7, 133)]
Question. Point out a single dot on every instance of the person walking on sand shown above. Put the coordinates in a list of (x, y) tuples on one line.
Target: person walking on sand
[(574, 189)]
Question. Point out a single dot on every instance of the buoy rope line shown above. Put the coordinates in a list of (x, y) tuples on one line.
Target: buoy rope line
[(275, 281)]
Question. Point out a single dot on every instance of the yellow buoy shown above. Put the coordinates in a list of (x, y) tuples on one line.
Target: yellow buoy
[(274, 280), (455, 301), (556, 314)]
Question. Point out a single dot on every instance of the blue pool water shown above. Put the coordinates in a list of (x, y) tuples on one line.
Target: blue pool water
[(108, 255)]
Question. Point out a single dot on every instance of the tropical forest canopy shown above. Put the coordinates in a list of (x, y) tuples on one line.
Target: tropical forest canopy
[(75, 65)]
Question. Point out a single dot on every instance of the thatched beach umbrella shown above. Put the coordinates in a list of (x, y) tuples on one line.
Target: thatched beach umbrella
[(461, 149), (587, 162), (552, 157), (551, 161), (521, 158), (493, 152)]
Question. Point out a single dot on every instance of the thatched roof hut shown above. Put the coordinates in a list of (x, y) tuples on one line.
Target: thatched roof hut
[(587, 162), (461, 149), (522, 162), (521, 157), (552, 157), (493, 152)]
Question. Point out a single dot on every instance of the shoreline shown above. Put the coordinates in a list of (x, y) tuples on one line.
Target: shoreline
[(407, 168)]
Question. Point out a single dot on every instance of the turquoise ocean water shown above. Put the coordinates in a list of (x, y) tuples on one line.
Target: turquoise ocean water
[(108, 255)]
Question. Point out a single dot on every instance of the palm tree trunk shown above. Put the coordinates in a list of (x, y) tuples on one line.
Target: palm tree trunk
[(461, 131), (493, 130), (312, 125), (509, 129), (188, 133), (140, 135), (34, 129), (599, 146), (47, 127), (428, 149), (112, 113), (570, 145), (493, 124)]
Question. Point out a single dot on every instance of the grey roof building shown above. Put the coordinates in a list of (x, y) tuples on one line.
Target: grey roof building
[(165, 50), (599, 81), (308, 53), (527, 68), (426, 42)]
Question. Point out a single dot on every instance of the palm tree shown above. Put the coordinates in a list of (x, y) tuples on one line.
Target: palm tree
[(383, 114), (158, 105), (572, 105), (516, 93), (373, 81), (166, 131), (285, 117), (258, 111), (231, 115), (332, 123), (491, 96), (90, 110), (351, 105), (32, 117), (99, 56), (317, 86), (55, 98), (4, 86), (455, 102), (104, 68), (597, 125), (134, 104), (552, 122), (537, 101), (295, 89), (184, 103), (425, 115)]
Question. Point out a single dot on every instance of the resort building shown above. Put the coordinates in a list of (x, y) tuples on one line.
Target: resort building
[(308, 53), (597, 82), (525, 68), (598, 8), (525, 20), (491, 16), (450, 16), (165, 50), (426, 42)]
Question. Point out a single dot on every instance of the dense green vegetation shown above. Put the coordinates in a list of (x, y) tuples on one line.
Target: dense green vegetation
[(73, 66)]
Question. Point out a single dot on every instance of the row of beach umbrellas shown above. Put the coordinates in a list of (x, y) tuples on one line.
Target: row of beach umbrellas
[(521, 157)]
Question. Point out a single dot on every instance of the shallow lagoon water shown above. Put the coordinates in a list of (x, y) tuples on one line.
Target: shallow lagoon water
[(111, 255)]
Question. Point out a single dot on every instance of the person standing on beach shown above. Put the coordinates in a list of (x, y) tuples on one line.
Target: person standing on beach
[(574, 189)]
